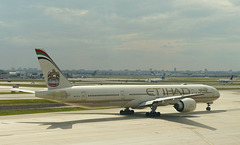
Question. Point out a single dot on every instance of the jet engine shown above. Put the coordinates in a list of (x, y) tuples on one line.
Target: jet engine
[(185, 105)]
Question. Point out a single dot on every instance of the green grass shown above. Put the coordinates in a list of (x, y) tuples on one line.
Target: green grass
[(31, 111), (25, 102)]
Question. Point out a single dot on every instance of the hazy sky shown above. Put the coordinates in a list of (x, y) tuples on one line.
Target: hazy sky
[(122, 34)]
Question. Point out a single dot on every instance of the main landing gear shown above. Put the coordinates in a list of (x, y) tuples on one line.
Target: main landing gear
[(153, 113), (209, 106), (126, 112)]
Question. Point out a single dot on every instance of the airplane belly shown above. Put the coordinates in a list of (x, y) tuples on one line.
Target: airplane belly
[(205, 99), (97, 104)]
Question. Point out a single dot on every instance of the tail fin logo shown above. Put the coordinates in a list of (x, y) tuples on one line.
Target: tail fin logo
[(53, 78)]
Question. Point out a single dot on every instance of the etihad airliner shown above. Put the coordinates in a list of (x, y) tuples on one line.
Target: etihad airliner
[(182, 97)]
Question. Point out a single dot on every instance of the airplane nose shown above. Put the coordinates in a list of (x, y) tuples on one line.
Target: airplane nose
[(216, 93)]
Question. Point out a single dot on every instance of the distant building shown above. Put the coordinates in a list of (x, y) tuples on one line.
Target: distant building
[(3, 74), (205, 70)]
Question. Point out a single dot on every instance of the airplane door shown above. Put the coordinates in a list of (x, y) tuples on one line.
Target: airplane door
[(84, 96), (122, 95)]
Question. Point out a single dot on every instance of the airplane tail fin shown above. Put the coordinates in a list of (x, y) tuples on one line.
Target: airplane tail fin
[(153, 73), (94, 73), (231, 77), (164, 76), (52, 74)]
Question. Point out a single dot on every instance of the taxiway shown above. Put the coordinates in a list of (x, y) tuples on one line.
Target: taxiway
[(220, 126)]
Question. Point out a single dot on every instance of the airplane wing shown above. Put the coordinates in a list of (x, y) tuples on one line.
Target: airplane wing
[(166, 100)]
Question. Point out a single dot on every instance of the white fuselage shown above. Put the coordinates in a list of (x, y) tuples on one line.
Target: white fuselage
[(224, 80), (125, 95)]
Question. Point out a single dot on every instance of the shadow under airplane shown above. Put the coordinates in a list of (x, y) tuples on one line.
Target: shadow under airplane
[(172, 117)]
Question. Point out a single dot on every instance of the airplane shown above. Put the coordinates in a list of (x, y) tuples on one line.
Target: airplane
[(153, 73), (93, 74), (155, 80), (182, 97), (225, 80)]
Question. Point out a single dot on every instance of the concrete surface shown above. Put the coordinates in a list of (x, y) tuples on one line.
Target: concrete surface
[(221, 126)]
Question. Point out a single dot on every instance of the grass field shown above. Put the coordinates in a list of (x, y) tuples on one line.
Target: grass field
[(25, 102), (32, 102)]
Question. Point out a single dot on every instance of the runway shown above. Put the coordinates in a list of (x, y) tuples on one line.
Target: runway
[(221, 126)]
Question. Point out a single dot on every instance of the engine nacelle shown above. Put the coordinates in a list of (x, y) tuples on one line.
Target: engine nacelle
[(185, 105)]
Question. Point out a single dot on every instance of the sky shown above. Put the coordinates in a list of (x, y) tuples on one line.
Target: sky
[(122, 34)]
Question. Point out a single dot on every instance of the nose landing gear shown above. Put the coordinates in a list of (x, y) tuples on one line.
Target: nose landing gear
[(209, 106)]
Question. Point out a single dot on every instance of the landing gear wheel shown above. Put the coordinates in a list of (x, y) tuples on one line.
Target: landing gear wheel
[(208, 108), (126, 112), (121, 112), (153, 114), (131, 112), (147, 114)]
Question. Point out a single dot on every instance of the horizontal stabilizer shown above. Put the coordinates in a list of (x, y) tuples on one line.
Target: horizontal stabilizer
[(25, 91)]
